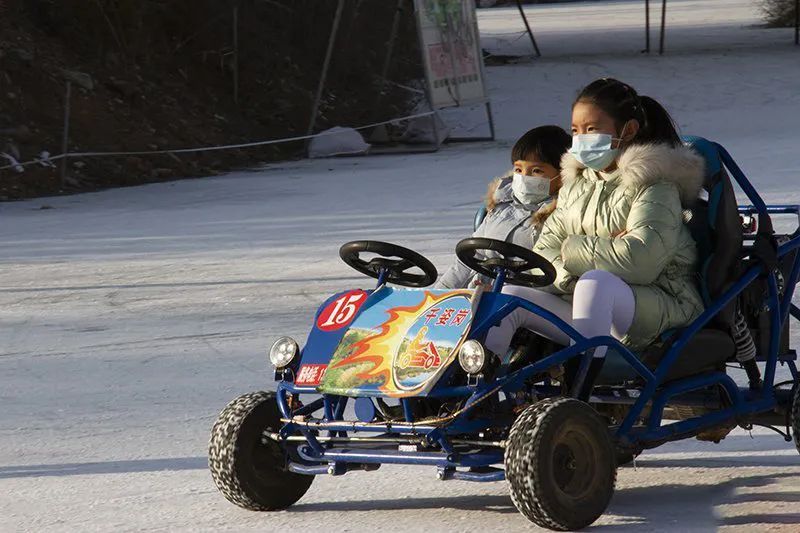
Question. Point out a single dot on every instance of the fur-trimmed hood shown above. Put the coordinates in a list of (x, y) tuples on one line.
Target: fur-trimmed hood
[(645, 164)]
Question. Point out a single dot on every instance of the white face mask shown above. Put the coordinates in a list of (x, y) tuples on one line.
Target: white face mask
[(530, 190), (594, 150)]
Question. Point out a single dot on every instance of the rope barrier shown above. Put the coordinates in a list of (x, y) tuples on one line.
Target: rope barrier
[(46, 160)]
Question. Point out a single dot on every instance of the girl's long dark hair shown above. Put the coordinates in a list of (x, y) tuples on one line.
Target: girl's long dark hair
[(623, 103)]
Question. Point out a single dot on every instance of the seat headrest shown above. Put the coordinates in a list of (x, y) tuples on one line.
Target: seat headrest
[(707, 150)]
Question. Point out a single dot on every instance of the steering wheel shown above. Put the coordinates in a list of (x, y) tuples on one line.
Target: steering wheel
[(516, 261), (392, 259)]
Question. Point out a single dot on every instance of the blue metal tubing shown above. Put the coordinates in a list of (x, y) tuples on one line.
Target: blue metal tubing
[(776, 325), (338, 411), (739, 404), (786, 304), (309, 408), (773, 209), (451, 392), (456, 425), (499, 280), (742, 180), (399, 428), (307, 470), (779, 209), (442, 440), (556, 358), (481, 477), (382, 275), (408, 413), (405, 458), (691, 425), (676, 348), (479, 330), (700, 322), (787, 247), (280, 396), (283, 407), (687, 385), (581, 342)]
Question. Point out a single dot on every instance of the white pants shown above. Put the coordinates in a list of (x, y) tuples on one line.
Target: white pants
[(602, 304)]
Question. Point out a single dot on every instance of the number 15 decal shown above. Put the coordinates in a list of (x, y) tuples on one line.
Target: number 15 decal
[(341, 311)]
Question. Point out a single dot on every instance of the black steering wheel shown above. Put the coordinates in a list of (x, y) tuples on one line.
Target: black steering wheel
[(516, 261), (392, 259)]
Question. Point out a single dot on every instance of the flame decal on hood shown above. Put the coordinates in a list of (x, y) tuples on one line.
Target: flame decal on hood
[(378, 350)]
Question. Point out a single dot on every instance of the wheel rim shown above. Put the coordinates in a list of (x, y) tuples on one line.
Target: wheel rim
[(575, 459), (266, 460)]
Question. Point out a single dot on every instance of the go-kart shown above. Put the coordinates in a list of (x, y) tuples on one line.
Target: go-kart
[(400, 376)]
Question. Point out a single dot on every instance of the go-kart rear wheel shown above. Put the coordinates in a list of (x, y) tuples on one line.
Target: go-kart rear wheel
[(560, 464), (250, 471), (796, 416)]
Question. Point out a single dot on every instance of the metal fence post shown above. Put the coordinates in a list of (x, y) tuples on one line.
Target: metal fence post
[(663, 26), (326, 63), (65, 138), (528, 29), (236, 54), (387, 59)]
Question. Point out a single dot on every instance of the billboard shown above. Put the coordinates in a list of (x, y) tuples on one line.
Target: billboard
[(451, 52)]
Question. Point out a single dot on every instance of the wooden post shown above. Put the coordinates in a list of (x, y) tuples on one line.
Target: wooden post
[(389, 51), (326, 63), (528, 28), (796, 21), (65, 137), (236, 54), (647, 26), (491, 120), (428, 91), (663, 25)]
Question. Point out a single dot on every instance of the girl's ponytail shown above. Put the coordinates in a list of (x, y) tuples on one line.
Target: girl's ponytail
[(658, 125)]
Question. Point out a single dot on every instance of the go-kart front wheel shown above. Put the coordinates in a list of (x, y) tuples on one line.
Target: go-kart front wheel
[(560, 464), (250, 471)]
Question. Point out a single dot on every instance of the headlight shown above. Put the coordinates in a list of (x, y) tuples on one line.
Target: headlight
[(472, 357), (283, 352)]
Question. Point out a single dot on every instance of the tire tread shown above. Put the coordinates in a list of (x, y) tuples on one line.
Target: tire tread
[(222, 457), (522, 469)]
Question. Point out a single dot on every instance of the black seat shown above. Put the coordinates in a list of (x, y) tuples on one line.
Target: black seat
[(705, 351), (717, 229)]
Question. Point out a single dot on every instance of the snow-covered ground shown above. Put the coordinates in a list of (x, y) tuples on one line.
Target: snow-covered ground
[(129, 318)]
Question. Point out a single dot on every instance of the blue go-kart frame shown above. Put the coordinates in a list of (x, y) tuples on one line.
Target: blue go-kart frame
[(321, 440), (495, 306)]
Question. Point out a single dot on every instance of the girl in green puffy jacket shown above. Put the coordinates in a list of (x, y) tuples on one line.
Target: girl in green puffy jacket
[(624, 258)]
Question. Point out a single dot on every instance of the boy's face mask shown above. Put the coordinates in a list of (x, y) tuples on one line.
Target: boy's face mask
[(530, 190)]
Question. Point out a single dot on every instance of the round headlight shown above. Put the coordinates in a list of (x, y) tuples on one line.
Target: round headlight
[(472, 357), (283, 352)]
